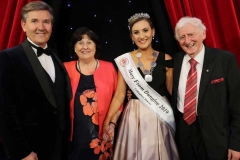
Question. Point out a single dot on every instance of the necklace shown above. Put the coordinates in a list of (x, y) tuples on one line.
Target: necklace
[(148, 73), (88, 65)]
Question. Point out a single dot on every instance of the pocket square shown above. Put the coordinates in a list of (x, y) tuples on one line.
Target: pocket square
[(217, 80)]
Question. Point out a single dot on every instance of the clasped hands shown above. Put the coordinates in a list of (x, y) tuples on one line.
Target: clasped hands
[(108, 131)]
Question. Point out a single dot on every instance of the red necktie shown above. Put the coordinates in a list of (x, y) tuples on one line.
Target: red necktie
[(190, 101)]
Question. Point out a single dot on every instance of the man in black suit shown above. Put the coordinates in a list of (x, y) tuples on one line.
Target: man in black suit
[(34, 91), (208, 116)]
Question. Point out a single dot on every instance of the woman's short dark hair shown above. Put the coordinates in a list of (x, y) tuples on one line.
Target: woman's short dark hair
[(78, 35)]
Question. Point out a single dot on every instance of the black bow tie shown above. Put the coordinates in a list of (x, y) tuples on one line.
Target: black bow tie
[(40, 50)]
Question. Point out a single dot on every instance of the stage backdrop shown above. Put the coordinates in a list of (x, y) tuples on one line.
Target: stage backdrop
[(109, 21)]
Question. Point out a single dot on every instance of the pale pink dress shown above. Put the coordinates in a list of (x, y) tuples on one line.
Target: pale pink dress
[(142, 136)]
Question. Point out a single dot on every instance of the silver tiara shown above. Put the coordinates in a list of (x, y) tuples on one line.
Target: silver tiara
[(138, 15)]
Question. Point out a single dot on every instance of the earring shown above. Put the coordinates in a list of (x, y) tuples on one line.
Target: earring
[(153, 37), (133, 42)]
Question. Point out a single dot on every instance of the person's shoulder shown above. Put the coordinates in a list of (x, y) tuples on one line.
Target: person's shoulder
[(107, 66), (12, 49), (69, 63), (220, 53), (168, 56), (218, 50), (105, 63)]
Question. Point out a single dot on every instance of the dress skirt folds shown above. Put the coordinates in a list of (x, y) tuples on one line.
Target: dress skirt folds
[(142, 136)]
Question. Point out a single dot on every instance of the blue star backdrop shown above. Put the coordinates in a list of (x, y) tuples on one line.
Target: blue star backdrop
[(109, 20)]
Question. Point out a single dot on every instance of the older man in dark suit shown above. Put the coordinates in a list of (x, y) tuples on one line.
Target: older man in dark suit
[(206, 97), (34, 91)]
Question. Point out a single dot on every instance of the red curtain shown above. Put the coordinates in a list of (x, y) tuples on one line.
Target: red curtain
[(11, 33), (221, 18)]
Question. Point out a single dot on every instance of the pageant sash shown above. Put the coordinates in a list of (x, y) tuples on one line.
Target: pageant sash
[(147, 95)]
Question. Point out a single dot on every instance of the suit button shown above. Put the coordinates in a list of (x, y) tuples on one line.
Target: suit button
[(55, 112)]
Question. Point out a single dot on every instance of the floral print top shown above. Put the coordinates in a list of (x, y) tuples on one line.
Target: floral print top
[(86, 126)]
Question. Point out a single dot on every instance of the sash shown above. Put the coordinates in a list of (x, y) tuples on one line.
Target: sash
[(147, 95)]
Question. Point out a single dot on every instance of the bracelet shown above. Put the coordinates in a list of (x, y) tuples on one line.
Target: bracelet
[(112, 123)]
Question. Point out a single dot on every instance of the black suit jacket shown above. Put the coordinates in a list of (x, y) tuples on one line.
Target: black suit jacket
[(28, 108), (218, 101)]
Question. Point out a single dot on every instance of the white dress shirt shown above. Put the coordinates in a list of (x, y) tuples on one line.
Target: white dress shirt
[(184, 74), (46, 62)]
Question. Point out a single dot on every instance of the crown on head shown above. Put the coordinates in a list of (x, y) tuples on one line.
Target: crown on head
[(138, 15)]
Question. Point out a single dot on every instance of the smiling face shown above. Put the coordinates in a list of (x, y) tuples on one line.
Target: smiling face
[(85, 48), (142, 34), (191, 39), (38, 26)]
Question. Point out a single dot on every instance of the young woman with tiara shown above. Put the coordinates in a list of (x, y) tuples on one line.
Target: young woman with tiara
[(147, 126)]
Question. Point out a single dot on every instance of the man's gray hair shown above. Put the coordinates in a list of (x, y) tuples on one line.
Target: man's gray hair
[(189, 20)]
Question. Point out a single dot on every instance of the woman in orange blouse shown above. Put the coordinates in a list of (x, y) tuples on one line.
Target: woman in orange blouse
[(93, 84)]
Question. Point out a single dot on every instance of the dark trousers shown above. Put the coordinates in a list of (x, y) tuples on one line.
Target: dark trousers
[(189, 140)]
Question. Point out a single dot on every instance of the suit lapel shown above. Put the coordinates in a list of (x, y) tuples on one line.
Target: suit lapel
[(178, 67), (178, 58), (68, 85), (39, 72), (207, 70)]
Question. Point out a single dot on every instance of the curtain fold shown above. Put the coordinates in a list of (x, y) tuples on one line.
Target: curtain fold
[(163, 27), (222, 19), (11, 33)]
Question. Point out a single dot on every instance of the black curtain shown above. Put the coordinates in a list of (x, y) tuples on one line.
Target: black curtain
[(110, 24), (163, 25)]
